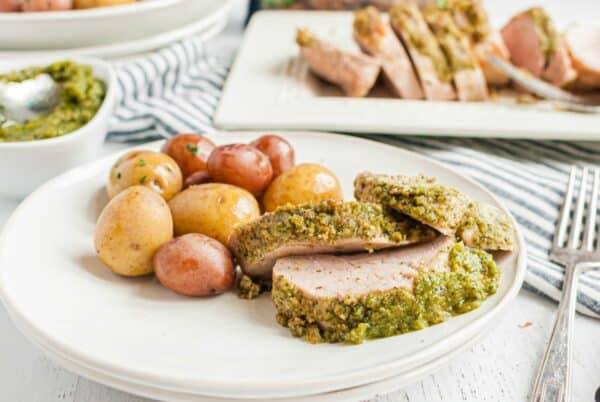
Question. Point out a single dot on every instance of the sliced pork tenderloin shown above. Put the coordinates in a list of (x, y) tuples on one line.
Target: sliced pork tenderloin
[(375, 37), (427, 57), (443, 208), (493, 45), (468, 78), (327, 227), (355, 74), (535, 45), (350, 298)]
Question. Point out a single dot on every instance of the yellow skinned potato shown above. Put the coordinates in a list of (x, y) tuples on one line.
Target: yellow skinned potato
[(130, 229), (154, 170), (301, 184), (100, 3), (213, 209)]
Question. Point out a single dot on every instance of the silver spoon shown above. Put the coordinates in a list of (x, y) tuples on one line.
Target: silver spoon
[(22, 101), (563, 99)]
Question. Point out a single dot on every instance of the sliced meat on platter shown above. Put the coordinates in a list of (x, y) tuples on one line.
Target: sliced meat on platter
[(584, 46), (535, 45), (468, 77), (427, 56), (354, 73), (350, 298), (322, 228), (375, 37), (440, 207), (492, 45)]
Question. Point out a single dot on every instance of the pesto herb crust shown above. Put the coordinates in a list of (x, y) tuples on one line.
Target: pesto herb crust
[(81, 96), (324, 223), (249, 289), (435, 296), (546, 32)]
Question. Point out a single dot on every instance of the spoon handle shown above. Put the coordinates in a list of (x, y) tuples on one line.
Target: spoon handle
[(553, 382)]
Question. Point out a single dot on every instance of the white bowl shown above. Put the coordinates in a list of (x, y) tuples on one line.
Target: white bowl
[(26, 165), (100, 26)]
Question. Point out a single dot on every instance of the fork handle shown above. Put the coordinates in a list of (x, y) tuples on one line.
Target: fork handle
[(553, 382)]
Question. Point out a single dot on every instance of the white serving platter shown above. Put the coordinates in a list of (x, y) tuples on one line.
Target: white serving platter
[(270, 87), (135, 332), (111, 31)]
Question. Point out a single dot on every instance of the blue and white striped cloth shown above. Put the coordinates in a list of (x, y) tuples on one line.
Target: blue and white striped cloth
[(177, 90)]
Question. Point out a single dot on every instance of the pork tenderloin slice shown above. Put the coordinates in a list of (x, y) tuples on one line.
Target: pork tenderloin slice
[(583, 43), (468, 78), (355, 74), (427, 57), (375, 37), (535, 45), (443, 208), (327, 227), (492, 45), (349, 298)]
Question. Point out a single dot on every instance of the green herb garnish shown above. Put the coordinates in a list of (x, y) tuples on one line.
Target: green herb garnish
[(192, 148), (119, 175), (142, 162), (143, 179)]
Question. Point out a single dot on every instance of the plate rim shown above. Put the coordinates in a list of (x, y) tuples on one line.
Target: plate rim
[(248, 387)]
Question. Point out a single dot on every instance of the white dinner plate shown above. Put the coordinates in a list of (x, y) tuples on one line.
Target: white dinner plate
[(270, 87), (140, 333), (205, 27)]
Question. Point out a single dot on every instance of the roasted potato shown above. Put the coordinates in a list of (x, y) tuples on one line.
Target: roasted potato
[(303, 183), (280, 152), (100, 3), (131, 228), (200, 177), (190, 151), (154, 170), (46, 5), (241, 165), (213, 209), (194, 265), (7, 6)]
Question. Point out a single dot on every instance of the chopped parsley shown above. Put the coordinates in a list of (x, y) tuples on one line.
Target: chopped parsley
[(142, 163), (119, 175), (192, 148), (143, 179)]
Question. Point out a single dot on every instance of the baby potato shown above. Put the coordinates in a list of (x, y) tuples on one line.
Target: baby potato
[(213, 209), (301, 184), (280, 152), (100, 3), (8, 6), (194, 265), (241, 165), (190, 151), (130, 229), (47, 5), (154, 170), (200, 177)]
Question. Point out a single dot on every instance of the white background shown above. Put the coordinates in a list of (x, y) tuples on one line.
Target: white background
[(500, 368)]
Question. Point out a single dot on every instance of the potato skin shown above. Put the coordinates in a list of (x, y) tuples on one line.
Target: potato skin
[(154, 170), (194, 265), (200, 177), (81, 4), (190, 151), (303, 183), (47, 5), (213, 209), (280, 152), (241, 165), (130, 229)]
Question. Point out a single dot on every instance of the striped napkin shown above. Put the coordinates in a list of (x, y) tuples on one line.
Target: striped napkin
[(177, 90)]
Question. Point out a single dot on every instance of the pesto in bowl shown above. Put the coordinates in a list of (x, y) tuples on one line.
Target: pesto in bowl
[(81, 96)]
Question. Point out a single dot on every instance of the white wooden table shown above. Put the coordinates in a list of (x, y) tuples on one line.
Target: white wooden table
[(500, 368)]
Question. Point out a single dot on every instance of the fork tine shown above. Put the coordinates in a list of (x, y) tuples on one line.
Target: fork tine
[(561, 229), (578, 218), (588, 236)]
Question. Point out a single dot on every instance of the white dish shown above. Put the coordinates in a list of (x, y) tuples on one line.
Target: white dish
[(63, 298), (100, 26), (270, 87), (205, 28), (26, 165)]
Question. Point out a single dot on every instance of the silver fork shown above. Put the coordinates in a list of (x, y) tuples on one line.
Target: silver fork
[(575, 250)]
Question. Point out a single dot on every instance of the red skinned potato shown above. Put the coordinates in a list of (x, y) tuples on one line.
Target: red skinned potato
[(8, 6), (280, 152), (241, 165), (47, 5), (200, 177), (190, 151), (194, 265)]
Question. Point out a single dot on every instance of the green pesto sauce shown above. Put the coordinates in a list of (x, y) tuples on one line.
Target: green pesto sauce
[(420, 197), (546, 32), (81, 97), (249, 289), (408, 20), (325, 223), (472, 278)]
